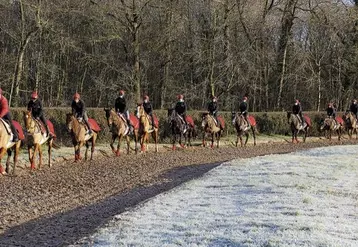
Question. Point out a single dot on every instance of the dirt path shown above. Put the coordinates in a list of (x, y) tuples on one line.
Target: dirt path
[(58, 206)]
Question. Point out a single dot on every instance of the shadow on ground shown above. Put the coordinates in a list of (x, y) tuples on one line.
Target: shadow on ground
[(66, 228)]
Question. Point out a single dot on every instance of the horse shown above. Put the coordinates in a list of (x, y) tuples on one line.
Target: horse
[(178, 128), (120, 129), (35, 137), (350, 122), (296, 126), (7, 145), (209, 126), (80, 136), (243, 128), (145, 128), (330, 124)]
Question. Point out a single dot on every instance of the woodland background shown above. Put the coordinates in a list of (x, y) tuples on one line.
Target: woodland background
[(272, 50)]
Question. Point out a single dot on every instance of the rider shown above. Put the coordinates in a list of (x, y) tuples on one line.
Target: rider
[(5, 114), (297, 109), (35, 107), (180, 108), (354, 107), (79, 110), (331, 112), (243, 107), (120, 106), (213, 109), (147, 105)]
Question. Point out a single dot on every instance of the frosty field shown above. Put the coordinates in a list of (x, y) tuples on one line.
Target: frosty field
[(307, 198)]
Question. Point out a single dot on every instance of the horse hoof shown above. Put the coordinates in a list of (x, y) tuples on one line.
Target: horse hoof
[(118, 154), (173, 148), (182, 145)]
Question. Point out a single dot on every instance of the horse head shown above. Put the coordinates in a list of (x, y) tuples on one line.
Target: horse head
[(108, 116), (326, 124), (69, 121), (204, 119), (289, 116)]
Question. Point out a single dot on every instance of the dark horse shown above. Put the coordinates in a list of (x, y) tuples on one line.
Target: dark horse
[(330, 125), (178, 128), (296, 126), (242, 127)]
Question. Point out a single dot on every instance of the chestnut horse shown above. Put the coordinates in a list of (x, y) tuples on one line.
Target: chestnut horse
[(296, 126), (120, 129), (80, 136), (7, 145), (329, 125), (210, 127), (350, 122), (145, 128), (35, 137), (243, 128)]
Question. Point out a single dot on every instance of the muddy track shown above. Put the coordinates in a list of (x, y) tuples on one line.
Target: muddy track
[(60, 205)]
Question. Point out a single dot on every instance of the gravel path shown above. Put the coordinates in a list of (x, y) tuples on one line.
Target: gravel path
[(58, 206)]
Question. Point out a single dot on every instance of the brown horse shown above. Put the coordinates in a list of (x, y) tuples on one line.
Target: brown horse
[(350, 124), (296, 126), (243, 128), (6, 145), (145, 128), (330, 125), (210, 127), (35, 137), (120, 129), (80, 136)]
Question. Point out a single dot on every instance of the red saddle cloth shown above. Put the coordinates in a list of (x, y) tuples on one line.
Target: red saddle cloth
[(339, 120), (190, 121), (18, 129), (252, 120), (308, 120), (94, 125), (50, 127), (222, 122), (134, 121)]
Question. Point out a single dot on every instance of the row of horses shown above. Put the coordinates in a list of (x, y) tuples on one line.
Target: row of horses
[(181, 132)]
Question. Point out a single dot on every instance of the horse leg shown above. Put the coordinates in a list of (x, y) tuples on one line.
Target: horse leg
[(49, 151), (128, 143), (93, 142), (254, 135), (40, 155), (181, 140), (155, 137), (16, 156), (112, 142), (142, 145), (218, 139), (118, 151), (29, 151), (2, 153), (87, 147), (8, 161), (212, 140), (204, 143), (174, 137), (247, 137), (136, 137)]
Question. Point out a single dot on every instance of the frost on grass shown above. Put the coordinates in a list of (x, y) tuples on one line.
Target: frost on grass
[(307, 198)]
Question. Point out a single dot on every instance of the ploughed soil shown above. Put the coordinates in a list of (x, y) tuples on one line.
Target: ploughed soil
[(58, 206)]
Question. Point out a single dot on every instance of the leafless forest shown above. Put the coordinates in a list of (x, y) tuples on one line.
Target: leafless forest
[(272, 50)]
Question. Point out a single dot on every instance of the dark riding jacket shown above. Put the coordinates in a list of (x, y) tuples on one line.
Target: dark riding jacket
[(35, 107), (297, 109), (331, 112), (120, 105), (213, 108), (180, 108), (243, 107), (354, 108), (78, 108), (148, 108)]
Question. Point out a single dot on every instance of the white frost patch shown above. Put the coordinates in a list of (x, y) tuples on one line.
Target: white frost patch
[(308, 198)]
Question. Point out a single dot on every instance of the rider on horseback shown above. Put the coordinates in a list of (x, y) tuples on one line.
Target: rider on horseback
[(120, 106), (147, 106), (213, 109), (297, 110), (35, 107), (5, 114), (180, 109), (243, 107), (331, 113), (354, 107), (79, 110)]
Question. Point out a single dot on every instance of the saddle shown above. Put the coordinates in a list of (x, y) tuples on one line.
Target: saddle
[(7, 126), (41, 124)]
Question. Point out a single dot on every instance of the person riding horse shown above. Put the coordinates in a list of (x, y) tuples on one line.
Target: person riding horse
[(120, 107), (297, 110), (243, 107), (331, 112), (354, 107), (147, 105), (5, 114), (79, 110), (35, 107), (213, 109), (180, 108)]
